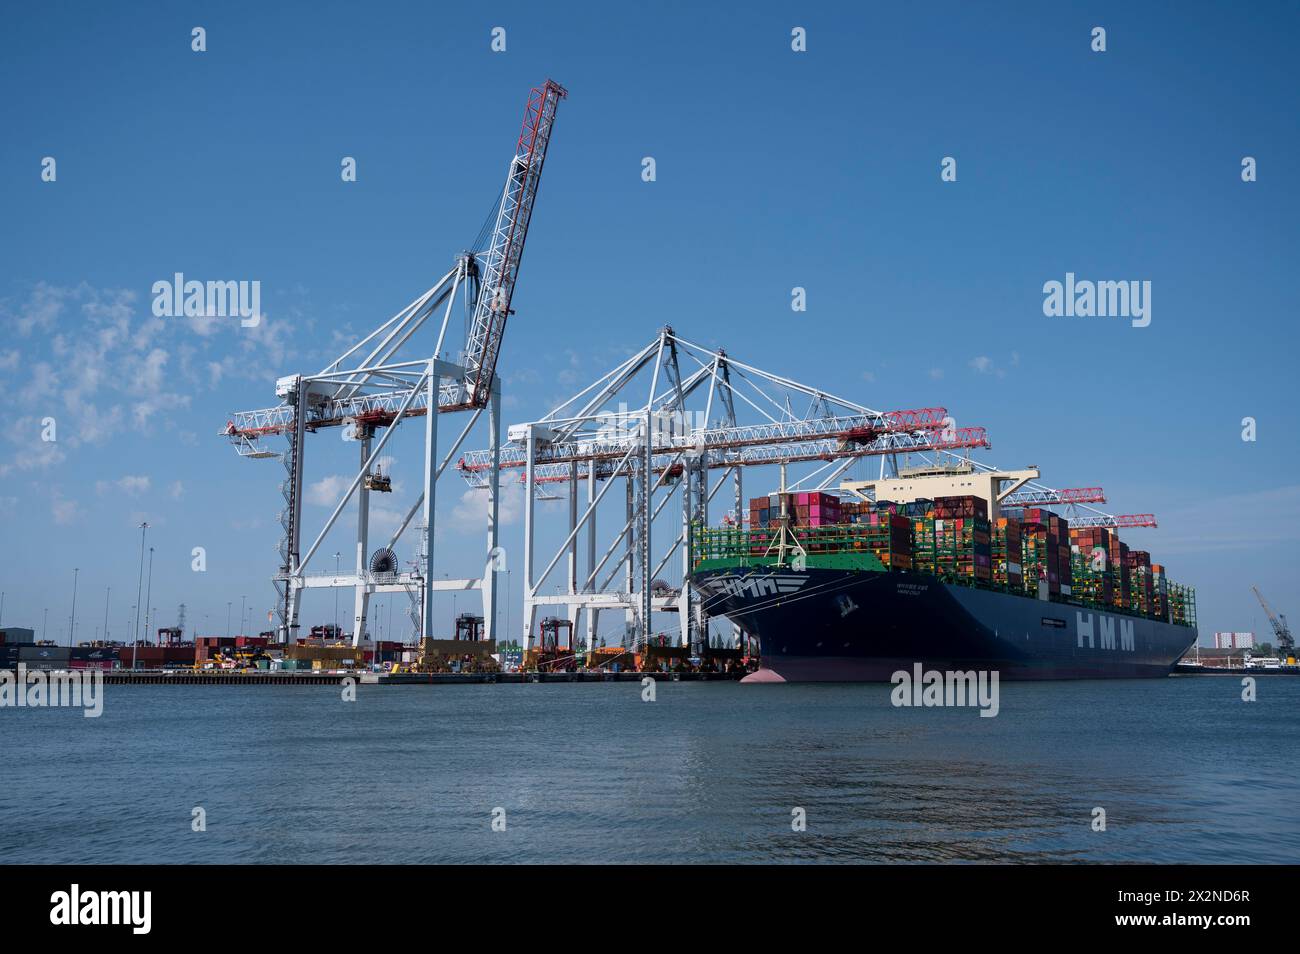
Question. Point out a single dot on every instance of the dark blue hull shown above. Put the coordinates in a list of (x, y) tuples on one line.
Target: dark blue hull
[(861, 626)]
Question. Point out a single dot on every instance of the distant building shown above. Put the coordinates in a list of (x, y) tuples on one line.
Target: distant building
[(12, 635), (1219, 658), (1234, 640)]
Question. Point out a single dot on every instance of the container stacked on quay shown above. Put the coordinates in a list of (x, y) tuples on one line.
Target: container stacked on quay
[(856, 590)]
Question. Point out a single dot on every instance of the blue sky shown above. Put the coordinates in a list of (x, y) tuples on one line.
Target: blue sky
[(774, 169)]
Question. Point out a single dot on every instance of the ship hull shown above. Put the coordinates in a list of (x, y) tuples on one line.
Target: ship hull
[(859, 626)]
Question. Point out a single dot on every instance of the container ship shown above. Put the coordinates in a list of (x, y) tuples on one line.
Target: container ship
[(930, 569)]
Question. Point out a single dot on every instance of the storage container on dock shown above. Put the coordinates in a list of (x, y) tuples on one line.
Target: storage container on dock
[(96, 657), (44, 657)]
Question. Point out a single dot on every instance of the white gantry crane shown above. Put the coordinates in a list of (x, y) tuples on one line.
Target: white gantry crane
[(391, 376), (660, 422)]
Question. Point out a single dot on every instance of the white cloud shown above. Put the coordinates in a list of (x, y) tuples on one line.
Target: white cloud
[(327, 491), (95, 425), (569, 375), (31, 452), (985, 365), (869, 376), (41, 310), (65, 511), (936, 374), (133, 484), (176, 490), (384, 520), (470, 513)]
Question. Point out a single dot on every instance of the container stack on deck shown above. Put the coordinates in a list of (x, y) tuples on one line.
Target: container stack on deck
[(805, 509), (1094, 571), (1036, 553), (1160, 591), (963, 545), (1008, 569), (1141, 588), (888, 536), (1182, 604)]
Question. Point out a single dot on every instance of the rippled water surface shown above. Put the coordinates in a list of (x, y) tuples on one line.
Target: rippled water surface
[(710, 772)]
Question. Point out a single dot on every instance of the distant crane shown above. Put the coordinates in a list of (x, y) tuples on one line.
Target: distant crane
[(1285, 641)]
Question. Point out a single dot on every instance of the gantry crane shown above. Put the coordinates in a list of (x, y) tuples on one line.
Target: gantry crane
[(1281, 630), (679, 431), (375, 385)]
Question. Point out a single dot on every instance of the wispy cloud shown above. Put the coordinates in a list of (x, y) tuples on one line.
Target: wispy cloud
[(64, 510), (131, 484), (983, 364), (470, 512), (326, 491)]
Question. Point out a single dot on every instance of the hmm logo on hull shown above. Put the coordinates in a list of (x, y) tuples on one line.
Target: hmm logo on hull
[(756, 586), (1104, 631)]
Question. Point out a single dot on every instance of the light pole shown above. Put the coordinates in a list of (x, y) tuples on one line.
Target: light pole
[(107, 593), (135, 628), (148, 595), (229, 603), (243, 600), (72, 622), (337, 556), (45, 623)]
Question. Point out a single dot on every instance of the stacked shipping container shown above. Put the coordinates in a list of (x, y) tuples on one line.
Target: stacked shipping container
[(806, 509), (1094, 573), (962, 542), (951, 537), (1007, 553)]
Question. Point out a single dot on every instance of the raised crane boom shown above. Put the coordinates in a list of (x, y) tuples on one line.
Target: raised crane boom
[(501, 266), (1280, 628)]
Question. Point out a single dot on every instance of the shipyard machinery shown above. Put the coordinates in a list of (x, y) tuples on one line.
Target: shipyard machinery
[(391, 376), (1281, 631)]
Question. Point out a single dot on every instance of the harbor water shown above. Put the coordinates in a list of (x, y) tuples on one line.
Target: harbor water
[(708, 772)]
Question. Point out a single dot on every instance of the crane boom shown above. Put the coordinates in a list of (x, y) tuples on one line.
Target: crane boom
[(501, 266), (1280, 628)]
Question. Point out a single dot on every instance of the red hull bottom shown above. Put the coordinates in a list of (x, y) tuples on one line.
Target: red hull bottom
[(849, 669)]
